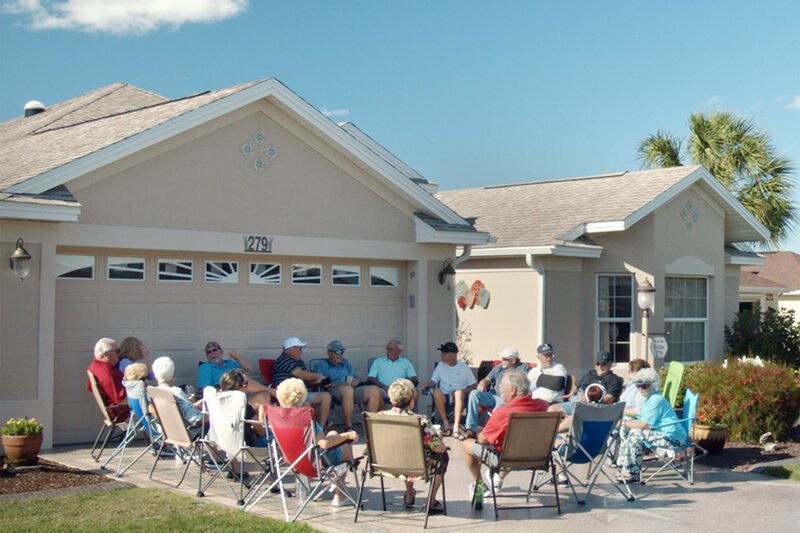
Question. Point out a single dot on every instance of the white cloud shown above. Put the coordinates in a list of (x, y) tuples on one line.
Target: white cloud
[(121, 17), (714, 101), (793, 103), (335, 113)]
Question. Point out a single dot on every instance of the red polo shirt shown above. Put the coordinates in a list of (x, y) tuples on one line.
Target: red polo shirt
[(495, 429)]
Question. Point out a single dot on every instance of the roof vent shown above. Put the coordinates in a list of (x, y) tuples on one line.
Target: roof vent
[(34, 107)]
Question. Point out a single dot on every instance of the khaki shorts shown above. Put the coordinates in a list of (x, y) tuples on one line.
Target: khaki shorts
[(358, 394), (486, 453)]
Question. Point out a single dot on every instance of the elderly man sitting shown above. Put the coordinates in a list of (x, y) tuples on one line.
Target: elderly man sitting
[(548, 379), (451, 378), (344, 387), (290, 365), (487, 394), (109, 379), (514, 389)]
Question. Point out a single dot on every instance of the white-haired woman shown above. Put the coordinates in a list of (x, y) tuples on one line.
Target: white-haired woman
[(657, 423), (402, 394), (292, 393), (164, 371)]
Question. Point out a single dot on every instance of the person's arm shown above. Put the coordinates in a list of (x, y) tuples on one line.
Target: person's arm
[(236, 356), (411, 374), (305, 375), (613, 390), (374, 381), (635, 424), (326, 442)]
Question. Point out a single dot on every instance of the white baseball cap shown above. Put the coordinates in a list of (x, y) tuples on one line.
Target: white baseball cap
[(509, 353), (291, 342)]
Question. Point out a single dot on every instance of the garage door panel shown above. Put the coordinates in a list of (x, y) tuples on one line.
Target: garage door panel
[(222, 316), (77, 316), (305, 317), (384, 316), (135, 315), (174, 317), (347, 316), (266, 316)]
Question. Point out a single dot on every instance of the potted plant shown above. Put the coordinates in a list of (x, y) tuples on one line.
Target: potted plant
[(709, 429), (22, 440)]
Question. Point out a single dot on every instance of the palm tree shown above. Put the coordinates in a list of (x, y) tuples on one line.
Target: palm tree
[(741, 157)]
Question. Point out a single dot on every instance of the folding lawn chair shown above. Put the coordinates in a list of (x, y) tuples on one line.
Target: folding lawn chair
[(528, 445), (589, 437), (672, 382), (395, 447), (294, 431), (175, 432), (680, 457), (226, 417), (139, 424), (110, 423)]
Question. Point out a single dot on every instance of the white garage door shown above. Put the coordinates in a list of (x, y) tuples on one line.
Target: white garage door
[(176, 303)]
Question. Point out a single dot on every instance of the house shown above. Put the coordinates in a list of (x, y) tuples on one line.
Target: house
[(570, 254), (775, 284), (242, 215)]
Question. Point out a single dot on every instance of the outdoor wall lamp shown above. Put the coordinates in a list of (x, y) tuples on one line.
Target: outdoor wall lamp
[(645, 297), (447, 273), (21, 260)]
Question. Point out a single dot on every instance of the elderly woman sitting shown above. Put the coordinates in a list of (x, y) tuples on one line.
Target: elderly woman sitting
[(658, 424), (293, 393), (254, 434), (402, 394), (164, 370)]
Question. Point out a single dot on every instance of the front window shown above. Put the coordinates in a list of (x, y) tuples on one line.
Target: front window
[(615, 315), (686, 318)]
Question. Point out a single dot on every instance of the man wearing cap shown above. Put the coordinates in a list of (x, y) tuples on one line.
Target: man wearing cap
[(487, 393), (210, 372), (385, 370), (548, 379), (602, 375), (290, 365), (452, 379), (345, 387)]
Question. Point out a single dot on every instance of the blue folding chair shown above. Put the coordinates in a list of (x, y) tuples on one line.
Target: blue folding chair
[(678, 458), (139, 424), (586, 446)]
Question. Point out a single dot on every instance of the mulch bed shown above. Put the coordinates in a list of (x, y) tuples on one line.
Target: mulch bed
[(48, 476), (743, 457)]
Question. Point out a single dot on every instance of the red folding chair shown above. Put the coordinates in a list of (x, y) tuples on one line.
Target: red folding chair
[(294, 430), (266, 367)]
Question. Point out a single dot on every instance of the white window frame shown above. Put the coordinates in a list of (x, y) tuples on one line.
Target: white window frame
[(93, 264), (161, 260), (598, 320), (229, 280), (258, 280), (353, 271), (313, 281), (693, 320), (385, 268), (126, 259)]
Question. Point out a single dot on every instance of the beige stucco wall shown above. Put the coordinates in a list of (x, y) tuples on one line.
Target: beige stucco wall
[(792, 302)]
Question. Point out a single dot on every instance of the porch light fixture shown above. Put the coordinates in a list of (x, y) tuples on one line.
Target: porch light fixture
[(645, 297), (21, 260), (447, 273)]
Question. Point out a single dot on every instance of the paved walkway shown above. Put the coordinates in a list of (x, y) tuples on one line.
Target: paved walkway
[(719, 501)]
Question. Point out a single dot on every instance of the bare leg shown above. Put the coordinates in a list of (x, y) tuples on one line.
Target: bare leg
[(472, 462), (346, 392), (460, 399), (373, 398), (439, 401), (322, 403)]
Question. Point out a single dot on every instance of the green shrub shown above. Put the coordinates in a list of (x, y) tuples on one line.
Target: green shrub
[(21, 426), (772, 335), (748, 398)]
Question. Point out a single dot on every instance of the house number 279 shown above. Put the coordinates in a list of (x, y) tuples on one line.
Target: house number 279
[(258, 243)]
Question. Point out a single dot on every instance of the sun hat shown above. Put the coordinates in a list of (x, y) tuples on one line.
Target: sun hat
[(509, 352)]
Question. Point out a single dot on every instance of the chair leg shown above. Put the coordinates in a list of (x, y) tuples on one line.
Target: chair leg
[(158, 456), (492, 472), (383, 495), (361, 493), (429, 501), (94, 447), (555, 485)]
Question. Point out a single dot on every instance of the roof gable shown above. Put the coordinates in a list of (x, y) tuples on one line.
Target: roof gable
[(780, 268)]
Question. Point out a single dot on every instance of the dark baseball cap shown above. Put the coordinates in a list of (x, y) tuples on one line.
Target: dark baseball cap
[(603, 358), (545, 348), (448, 347), (336, 346)]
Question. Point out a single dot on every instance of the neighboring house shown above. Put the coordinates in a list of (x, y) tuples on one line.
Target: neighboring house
[(569, 255), (775, 284), (242, 215)]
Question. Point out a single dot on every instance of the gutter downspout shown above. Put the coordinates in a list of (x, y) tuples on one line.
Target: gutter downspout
[(540, 326)]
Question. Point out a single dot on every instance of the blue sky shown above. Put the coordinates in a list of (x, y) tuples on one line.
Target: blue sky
[(468, 93)]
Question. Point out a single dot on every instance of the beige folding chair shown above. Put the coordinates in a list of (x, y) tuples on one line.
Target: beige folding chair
[(109, 426), (394, 448), (528, 445), (175, 432)]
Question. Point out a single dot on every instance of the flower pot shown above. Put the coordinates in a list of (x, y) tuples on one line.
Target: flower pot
[(711, 438), (22, 450)]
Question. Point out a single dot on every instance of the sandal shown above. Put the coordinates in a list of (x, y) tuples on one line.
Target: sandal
[(410, 504), (436, 508), (627, 478), (447, 432)]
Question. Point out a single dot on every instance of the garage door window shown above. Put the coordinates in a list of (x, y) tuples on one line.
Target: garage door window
[(382, 276), (75, 267), (126, 268), (222, 272), (175, 270), (265, 273), (349, 275), (304, 274)]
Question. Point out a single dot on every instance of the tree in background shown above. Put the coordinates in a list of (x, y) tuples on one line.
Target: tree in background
[(741, 157)]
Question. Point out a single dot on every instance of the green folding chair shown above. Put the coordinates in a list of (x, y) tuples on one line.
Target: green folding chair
[(672, 384)]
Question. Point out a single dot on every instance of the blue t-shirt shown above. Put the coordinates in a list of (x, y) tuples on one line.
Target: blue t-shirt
[(284, 366), (208, 375), (387, 371), (658, 414), (338, 374)]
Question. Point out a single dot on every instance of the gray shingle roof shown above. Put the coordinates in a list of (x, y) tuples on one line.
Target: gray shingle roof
[(67, 131), (781, 268), (541, 213)]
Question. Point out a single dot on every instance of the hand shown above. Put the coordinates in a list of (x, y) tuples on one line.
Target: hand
[(235, 354), (483, 386)]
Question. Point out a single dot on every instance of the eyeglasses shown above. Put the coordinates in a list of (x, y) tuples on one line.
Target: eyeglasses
[(338, 352), (213, 350), (642, 386)]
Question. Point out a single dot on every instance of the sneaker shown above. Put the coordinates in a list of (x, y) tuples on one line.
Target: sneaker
[(341, 469), (563, 479), (488, 486), (497, 482), (340, 501)]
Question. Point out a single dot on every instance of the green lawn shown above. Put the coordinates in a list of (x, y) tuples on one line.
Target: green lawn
[(784, 472), (132, 510)]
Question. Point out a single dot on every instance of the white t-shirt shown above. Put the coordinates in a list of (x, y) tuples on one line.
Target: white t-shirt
[(449, 378), (542, 393)]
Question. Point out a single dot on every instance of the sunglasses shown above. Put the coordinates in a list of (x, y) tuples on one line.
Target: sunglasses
[(642, 386), (338, 352)]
